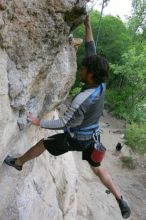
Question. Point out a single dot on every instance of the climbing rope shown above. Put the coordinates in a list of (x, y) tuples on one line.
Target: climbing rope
[(99, 23)]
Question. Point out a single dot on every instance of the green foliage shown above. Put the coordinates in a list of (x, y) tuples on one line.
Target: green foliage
[(75, 91), (118, 103), (129, 85), (128, 162), (137, 20), (114, 39), (135, 135)]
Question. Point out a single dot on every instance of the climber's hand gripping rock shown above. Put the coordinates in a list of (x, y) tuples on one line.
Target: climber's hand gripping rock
[(34, 120)]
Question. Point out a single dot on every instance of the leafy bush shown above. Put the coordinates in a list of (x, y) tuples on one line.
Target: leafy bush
[(119, 102), (135, 135), (128, 162), (129, 85), (75, 91)]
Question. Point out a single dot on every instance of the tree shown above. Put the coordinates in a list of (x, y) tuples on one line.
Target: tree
[(130, 90), (114, 39), (137, 22)]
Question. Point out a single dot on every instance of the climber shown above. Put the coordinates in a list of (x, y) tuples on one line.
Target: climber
[(80, 122)]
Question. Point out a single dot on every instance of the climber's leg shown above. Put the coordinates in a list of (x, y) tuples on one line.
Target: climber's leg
[(107, 181), (56, 145), (33, 152)]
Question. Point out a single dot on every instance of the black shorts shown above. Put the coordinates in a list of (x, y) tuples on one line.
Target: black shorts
[(61, 143)]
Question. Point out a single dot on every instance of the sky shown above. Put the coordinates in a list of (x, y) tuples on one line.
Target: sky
[(121, 8)]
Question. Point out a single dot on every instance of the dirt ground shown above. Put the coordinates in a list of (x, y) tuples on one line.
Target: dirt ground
[(93, 202)]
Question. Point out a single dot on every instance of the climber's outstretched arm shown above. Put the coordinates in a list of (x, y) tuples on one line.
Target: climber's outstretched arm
[(90, 48), (88, 30), (73, 117)]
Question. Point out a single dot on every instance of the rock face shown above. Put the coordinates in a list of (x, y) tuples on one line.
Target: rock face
[(37, 69)]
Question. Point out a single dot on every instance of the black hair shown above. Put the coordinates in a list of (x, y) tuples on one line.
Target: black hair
[(98, 66)]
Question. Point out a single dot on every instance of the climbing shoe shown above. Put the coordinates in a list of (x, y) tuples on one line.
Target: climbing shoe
[(125, 209), (11, 162)]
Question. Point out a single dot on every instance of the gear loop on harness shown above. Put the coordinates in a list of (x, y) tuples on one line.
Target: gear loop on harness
[(95, 136)]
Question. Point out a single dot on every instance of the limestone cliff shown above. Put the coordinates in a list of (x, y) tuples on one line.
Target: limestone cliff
[(37, 69)]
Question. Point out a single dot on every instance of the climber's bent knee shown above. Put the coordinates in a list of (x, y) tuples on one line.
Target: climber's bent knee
[(97, 170)]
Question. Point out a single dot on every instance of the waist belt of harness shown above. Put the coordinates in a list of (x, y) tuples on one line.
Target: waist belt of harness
[(86, 130)]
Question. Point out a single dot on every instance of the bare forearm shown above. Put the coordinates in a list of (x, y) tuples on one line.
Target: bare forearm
[(88, 30)]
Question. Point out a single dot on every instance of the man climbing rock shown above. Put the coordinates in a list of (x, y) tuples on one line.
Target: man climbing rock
[(80, 122)]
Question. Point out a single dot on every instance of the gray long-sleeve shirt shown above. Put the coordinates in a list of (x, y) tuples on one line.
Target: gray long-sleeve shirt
[(85, 109)]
